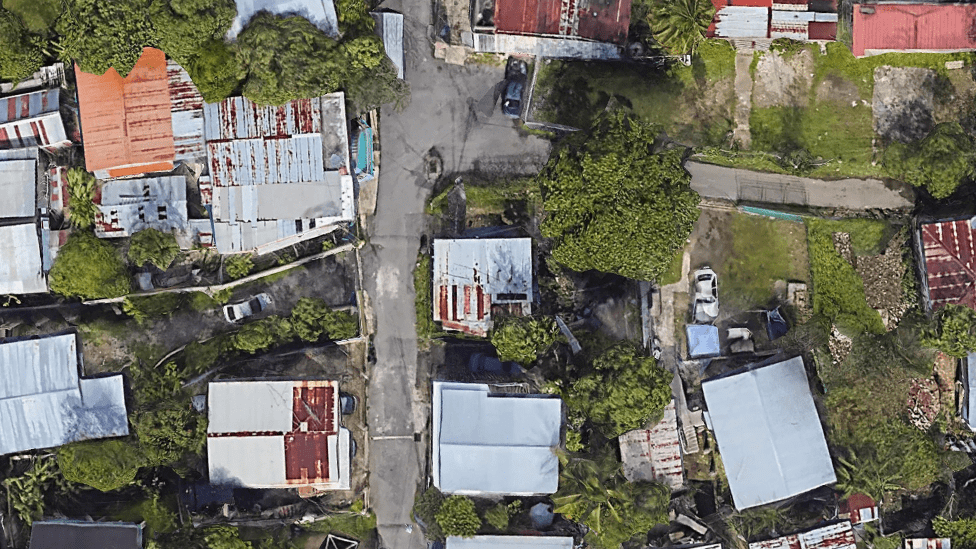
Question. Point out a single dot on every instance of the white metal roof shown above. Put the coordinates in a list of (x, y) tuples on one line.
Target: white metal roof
[(509, 542), (250, 406), (498, 444), (247, 461), (969, 406), (18, 187), (768, 432), (20, 260), (321, 13), (390, 28)]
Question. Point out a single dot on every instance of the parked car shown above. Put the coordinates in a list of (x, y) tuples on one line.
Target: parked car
[(706, 295), (347, 403), (237, 312), (516, 72)]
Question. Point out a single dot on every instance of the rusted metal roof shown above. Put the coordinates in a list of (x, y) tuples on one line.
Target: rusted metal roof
[(127, 206), (186, 106), (655, 453), (603, 22), (126, 123), (240, 118), (833, 536), (859, 508), (32, 120), (949, 257), (899, 27), (269, 434), (544, 46)]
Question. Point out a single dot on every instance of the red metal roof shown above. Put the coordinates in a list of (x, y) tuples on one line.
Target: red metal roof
[(822, 31), (913, 27), (313, 420), (596, 21), (126, 122), (949, 248)]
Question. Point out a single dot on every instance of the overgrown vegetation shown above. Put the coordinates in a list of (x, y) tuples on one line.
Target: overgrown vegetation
[(89, 268), (26, 493), (680, 25), (424, 297), (953, 331), (750, 270), (153, 246), (940, 162), (458, 517), (524, 339), (238, 266), (81, 193), (105, 465)]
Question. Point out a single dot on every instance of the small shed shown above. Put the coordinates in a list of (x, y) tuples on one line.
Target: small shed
[(72, 534), (654, 454), (703, 341)]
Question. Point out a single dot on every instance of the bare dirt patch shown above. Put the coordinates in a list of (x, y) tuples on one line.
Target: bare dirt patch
[(959, 99), (903, 103), (835, 89), (783, 81)]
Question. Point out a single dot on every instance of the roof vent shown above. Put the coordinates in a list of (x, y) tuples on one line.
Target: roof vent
[(867, 10), (303, 426)]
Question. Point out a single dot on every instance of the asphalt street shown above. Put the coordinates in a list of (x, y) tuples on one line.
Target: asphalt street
[(453, 109)]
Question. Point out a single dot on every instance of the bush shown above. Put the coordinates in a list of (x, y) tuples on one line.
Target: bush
[(199, 357), (953, 331), (522, 340), (498, 516), (168, 434), (238, 266), (89, 268), (152, 246), (458, 517), (262, 334), (425, 507), (312, 318), (424, 297), (105, 465), (81, 193), (940, 162), (962, 531), (142, 309)]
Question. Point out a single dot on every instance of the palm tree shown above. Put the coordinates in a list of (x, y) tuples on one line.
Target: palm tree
[(680, 25), (875, 477)]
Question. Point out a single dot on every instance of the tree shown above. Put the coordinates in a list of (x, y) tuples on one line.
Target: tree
[(238, 266), (425, 508), (153, 246), (522, 340), (20, 54), (225, 537), (621, 391), (261, 334), (354, 17), (81, 194), (953, 331), (962, 532), (614, 205), (680, 25), (105, 465), (311, 318), (367, 90), (89, 268), (458, 517), (940, 162), (25, 494), (169, 433), (101, 35), (183, 27), (215, 70), (592, 490)]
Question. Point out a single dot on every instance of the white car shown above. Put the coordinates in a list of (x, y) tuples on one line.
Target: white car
[(237, 312), (706, 295)]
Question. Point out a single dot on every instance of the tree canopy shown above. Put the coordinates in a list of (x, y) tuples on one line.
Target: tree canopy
[(940, 162), (457, 516), (614, 205), (312, 318), (183, 27), (90, 268), (81, 193), (99, 35), (20, 54), (169, 433), (105, 465), (215, 70), (680, 25), (522, 340), (961, 531), (153, 246)]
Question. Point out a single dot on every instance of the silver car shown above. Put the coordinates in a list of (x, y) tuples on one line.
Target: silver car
[(706, 295), (237, 312)]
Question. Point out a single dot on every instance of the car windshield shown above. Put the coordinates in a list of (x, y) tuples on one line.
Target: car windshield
[(230, 313), (255, 304)]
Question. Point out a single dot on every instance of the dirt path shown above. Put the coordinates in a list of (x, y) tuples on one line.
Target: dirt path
[(743, 99)]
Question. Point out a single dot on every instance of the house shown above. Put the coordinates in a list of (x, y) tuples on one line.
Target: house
[(968, 394), (474, 277), (127, 206), (321, 13), (858, 508), (485, 443), (766, 20), (509, 542), (76, 534), (838, 535), (768, 432), (45, 401), (278, 175), (277, 434), (24, 256), (33, 120), (928, 543), (654, 454), (912, 27), (703, 341), (947, 262), (550, 28)]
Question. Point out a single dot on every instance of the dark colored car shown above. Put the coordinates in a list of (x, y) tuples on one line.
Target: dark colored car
[(516, 72), (347, 403)]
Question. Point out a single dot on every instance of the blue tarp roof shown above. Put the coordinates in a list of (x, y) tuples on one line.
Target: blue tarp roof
[(703, 341)]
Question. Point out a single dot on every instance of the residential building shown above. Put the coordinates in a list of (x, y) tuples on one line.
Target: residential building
[(509, 542), (321, 13), (928, 543), (762, 21), (967, 378), (486, 443), (838, 535), (947, 262), (127, 206), (474, 277), (33, 120), (76, 534), (24, 255), (768, 432), (912, 27), (654, 454), (858, 508), (277, 434), (45, 401), (278, 175)]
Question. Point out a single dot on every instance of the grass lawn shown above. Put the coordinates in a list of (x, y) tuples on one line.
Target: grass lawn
[(38, 15), (673, 274), (486, 198), (763, 251)]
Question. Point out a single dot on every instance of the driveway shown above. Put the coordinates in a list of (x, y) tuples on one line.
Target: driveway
[(453, 109)]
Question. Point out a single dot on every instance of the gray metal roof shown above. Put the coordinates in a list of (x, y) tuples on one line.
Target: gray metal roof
[(18, 187), (128, 206), (389, 26), (254, 406), (187, 109), (31, 120), (969, 407), (20, 260), (544, 46), (498, 265), (703, 340), (768, 433), (742, 22), (72, 534), (44, 403), (321, 13), (256, 161), (494, 444), (509, 542)]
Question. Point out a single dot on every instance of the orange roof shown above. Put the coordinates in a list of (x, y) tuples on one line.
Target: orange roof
[(126, 123)]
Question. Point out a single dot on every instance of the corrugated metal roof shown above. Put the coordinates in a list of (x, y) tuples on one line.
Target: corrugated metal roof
[(32, 120), (389, 26), (127, 206), (603, 22), (949, 253), (20, 260), (509, 542), (321, 13), (268, 406), (969, 406), (655, 453), (928, 543), (29, 105), (544, 46), (43, 403), (833, 536), (742, 22), (126, 122), (70, 534), (241, 118), (494, 444), (703, 340), (18, 183), (186, 106), (768, 433), (880, 28), (294, 159)]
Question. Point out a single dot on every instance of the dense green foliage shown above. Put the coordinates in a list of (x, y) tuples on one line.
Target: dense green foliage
[(593, 491), (458, 517), (940, 162), (81, 192), (238, 266), (423, 297), (101, 35), (142, 309), (621, 391), (210, 537), (425, 507), (368, 90), (953, 331), (170, 432), (25, 493), (614, 205), (153, 246), (38, 15), (89, 268), (961, 531), (20, 55), (262, 334), (215, 70), (183, 27), (680, 25), (311, 318), (522, 339), (105, 465)]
